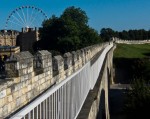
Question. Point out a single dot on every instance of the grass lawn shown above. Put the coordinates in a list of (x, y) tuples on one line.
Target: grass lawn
[(132, 51)]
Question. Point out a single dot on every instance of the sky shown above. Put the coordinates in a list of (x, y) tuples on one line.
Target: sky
[(116, 14)]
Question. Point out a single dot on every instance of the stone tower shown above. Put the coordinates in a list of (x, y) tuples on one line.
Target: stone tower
[(26, 38)]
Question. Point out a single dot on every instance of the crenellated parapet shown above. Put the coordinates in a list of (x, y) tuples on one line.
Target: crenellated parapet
[(43, 61), (58, 67), (27, 75), (19, 65), (118, 40), (74, 61), (8, 37), (68, 63)]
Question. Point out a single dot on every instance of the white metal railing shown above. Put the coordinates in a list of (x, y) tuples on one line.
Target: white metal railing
[(65, 99), (96, 67)]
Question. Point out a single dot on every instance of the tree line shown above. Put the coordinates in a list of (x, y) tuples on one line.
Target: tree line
[(70, 31), (107, 33), (66, 33)]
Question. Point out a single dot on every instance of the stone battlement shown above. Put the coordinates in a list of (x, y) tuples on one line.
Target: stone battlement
[(117, 40), (27, 76), (8, 37)]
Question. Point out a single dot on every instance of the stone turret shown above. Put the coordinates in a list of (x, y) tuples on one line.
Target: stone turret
[(27, 38)]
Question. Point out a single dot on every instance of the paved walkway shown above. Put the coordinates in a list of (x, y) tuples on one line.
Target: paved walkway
[(120, 86), (117, 97)]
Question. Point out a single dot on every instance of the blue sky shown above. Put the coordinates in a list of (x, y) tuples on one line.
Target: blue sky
[(115, 14)]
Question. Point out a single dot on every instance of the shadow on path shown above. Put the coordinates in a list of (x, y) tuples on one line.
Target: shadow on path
[(116, 103)]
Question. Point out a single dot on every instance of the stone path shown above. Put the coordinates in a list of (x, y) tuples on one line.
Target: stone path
[(117, 96)]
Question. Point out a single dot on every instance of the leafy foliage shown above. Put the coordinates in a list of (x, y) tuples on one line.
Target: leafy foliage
[(138, 100), (141, 34), (107, 34), (68, 32), (141, 69)]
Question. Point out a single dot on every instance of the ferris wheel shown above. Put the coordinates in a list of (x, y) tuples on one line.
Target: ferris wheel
[(25, 16)]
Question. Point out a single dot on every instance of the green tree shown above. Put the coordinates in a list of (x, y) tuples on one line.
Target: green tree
[(52, 30), (141, 34), (124, 35), (89, 37), (107, 33), (68, 32), (76, 15), (138, 100)]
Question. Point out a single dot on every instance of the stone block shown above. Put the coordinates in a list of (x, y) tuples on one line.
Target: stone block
[(83, 56), (29, 95), (3, 94), (29, 76), (43, 59), (41, 76), (13, 105), (47, 78), (30, 69), (18, 86), (41, 88), (23, 90), (1, 113), (74, 57), (48, 83), (18, 101), (29, 87), (24, 65), (67, 60), (78, 55), (23, 84), (46, 69), (20, 62), (24, 77), (9, 108), (2, 102), (44, 86), (10, 98), (42, 80), (58, 63), (35, 78), (5, 110), (34, 85), (15, 95), (23, 99), (35, 92), (27, 82), (47, 73), (19, 93), (17, 80)]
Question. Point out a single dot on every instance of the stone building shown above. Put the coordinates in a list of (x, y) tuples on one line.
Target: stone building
[(26, 38), (8, 50), (8, 37)]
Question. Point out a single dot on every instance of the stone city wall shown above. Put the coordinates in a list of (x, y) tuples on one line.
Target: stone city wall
[(27, 76), (96, 105), (117, 40)]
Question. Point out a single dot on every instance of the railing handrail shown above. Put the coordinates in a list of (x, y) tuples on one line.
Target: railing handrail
[(27, 109)]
